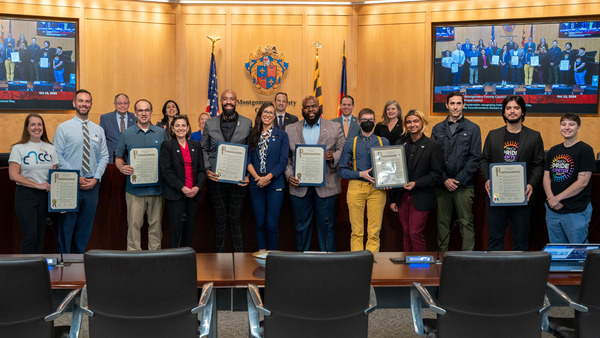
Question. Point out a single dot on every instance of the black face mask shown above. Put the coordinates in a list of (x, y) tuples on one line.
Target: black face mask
[(367, 126)]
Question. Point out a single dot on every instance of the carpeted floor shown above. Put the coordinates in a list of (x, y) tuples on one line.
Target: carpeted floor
[(383, 323)]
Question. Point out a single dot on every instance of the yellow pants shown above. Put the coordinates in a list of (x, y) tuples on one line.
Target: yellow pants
[(10, 70), (359, 193)]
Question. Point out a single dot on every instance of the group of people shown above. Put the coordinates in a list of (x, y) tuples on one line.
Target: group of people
[(440, 173), (516, 64), (34, 63)]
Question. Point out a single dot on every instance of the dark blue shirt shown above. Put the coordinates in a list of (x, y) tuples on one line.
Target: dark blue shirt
[(363, 156)]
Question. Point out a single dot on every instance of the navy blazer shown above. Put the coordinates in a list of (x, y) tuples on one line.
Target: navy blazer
[(112, 130), (173, 168), (277, 159)]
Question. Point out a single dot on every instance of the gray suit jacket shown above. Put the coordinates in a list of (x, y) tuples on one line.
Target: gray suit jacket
[(212, 135), (332, 137), (112, 129), (354, 129)]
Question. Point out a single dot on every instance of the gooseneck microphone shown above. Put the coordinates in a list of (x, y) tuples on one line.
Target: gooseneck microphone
[(452, 227), (61, 261)]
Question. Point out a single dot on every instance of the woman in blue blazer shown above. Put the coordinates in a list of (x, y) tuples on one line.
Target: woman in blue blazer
[(267, 159)]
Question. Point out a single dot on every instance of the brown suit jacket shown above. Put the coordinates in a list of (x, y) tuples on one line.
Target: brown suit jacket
[(332, 137)]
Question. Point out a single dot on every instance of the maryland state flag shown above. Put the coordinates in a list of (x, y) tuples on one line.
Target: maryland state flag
[(343, 85), (317, 84)]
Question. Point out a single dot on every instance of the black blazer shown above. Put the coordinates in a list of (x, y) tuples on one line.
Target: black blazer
[(287, 120), (426, 172), (173, 169), (531, 151)]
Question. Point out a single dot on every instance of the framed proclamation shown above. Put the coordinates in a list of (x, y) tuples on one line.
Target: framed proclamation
[(145, 163), (64, 190), (389, 166), (231, 162), (309, 165), (508, 183)]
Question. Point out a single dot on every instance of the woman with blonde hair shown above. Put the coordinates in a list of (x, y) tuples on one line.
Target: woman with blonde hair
[(391, 125)]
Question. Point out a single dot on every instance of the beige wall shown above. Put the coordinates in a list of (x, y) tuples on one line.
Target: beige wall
[(160, 51)]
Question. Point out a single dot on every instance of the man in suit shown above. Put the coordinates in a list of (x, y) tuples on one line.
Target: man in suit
[(309, 200), (283, 119), (349, 122), (466, 47), (227, 198), (146, 199), (512, 143), (9, 40), (115, 122), (80, 145)]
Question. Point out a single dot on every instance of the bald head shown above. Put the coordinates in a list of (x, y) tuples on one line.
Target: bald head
[(228, 102)]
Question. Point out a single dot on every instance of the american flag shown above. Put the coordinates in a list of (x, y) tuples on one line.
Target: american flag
[(212, 104)]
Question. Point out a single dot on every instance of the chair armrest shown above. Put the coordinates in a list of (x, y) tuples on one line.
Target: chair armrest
[(84, 304), (544, 313), (418, 292), (207, 305), (576, 306), (372, 301), (255, 308), (61, 308)]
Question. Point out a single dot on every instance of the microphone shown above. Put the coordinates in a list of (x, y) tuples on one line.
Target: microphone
[(61, 262), (452, 227)]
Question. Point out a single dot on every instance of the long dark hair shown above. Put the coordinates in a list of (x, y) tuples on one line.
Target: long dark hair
[(258, 125), (25, 136), (165, 118)]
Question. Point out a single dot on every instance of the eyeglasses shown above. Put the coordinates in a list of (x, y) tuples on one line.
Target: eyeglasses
[(121, 103), (267, 112)]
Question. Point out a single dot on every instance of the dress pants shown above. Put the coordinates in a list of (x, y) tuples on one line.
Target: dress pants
[(528, 74), (228, 200), (266, 203), (10, 70), (498, 217), (137, 206), (359, 193), (182, 220), (31, 206), (323, 210), (413, 224), (75, 228), (460, 200)]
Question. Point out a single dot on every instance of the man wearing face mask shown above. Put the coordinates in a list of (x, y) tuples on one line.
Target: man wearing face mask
[(320, 201), (355, 166)]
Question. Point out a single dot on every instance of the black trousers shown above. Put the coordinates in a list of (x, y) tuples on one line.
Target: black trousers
[(182, 217), (31, 206)]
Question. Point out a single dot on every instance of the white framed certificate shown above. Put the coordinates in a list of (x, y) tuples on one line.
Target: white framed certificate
[(454, 68), (508, 184), (64, 190), (474, 61), (564, 65), (145, 163), (514, 60), (15, 57), (389, 166), (231, 162), (534, 61), (495, 60), (309, 164), (44, 63)]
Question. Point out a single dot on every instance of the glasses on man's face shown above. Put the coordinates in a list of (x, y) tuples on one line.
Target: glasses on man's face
[(121, 103), (365, 120)]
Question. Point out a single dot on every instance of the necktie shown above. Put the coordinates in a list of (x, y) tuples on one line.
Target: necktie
[(280, 121), (346, 127), (122, 123), (85, 161)]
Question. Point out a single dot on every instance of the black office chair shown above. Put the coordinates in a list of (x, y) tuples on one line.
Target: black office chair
[(475, 90), (562, 90), (43, 87), (493, 294), (535, 90), (505, 90), (314, 295), (590, 90), (587, 311), (17, 86), (26, 300), (146, 294)]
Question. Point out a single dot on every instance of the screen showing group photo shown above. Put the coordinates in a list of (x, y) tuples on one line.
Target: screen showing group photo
[(553, 65), (38, 69)]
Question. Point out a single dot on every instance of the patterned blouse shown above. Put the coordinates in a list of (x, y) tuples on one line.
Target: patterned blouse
[(263, 146)]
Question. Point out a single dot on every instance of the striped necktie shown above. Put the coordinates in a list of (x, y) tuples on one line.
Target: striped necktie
[(122, 127), (85, 161)]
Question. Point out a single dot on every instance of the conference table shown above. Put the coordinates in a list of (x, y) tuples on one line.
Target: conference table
[(237, 270)]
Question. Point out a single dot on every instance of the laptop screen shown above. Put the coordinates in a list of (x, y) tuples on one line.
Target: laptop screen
[(569, 252)]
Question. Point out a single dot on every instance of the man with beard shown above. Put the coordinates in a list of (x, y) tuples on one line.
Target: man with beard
[(461, 145), (80, 145), (356, 166), (512, 143), (227, 198), (320, 201)]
